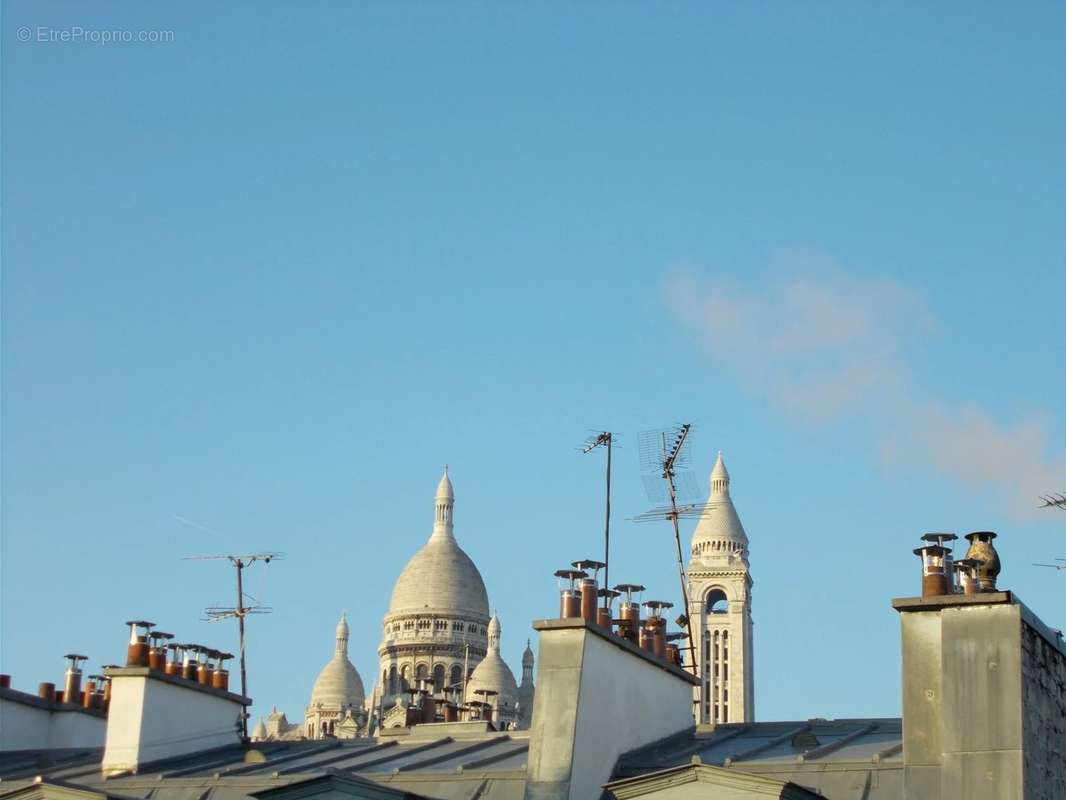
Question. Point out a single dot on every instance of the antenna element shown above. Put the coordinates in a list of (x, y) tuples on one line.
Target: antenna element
[(664, 451), (605, 439), (217, 613)]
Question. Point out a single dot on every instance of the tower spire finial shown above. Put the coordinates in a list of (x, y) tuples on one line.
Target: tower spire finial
[(445, 501), (719, 478), (342, 635)]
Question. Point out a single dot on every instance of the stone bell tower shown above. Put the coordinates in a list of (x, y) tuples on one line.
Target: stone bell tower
[(720, 590)]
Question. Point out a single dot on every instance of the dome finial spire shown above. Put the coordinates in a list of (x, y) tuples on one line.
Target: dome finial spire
[(719, 478), (445, 501), (342, 635)]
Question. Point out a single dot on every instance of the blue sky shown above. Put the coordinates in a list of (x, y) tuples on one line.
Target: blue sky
[(270, 275)]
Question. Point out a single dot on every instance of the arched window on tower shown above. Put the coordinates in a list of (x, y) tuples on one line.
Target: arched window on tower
[(438, 677), (405, 677), (421, 672), (393, 688), (457, 675), (717, 602)]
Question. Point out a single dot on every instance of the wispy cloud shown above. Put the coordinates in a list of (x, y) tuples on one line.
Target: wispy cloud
[(823, 346)]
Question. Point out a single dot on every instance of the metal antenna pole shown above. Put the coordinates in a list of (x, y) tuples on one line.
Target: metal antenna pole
[(216, 614), (669, 458), (466, 671), (240, 627), (605, 439), (607, 524)]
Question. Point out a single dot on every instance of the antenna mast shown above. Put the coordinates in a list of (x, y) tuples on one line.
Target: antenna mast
[(605, 439), (665, 451), (1053, 566), (218, 613), (1056, 500)]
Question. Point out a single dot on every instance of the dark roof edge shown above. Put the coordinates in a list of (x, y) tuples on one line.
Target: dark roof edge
[(27, 699), (1007, 597), (578, 623), (156, 675)]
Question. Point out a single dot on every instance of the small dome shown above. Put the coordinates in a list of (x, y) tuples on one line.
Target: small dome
[(493, 674), (259, 732), (527, 655), (338, 684)]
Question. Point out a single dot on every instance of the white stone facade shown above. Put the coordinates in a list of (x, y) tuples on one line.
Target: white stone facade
[(437, 624), (337, 698), (720, 590), (493, 675)]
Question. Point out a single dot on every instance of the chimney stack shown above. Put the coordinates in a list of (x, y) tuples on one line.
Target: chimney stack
[(189, 661), (945, 540), (220, 680), (629, 611), (137, 652), (157, 650), (485, 706), (158, 709), (570, 597), (94, 692), (966, 575), (451, 711), (589, 587), (204, 671), (107, 685), (673, 649), (173, 666), (983, 551), (598, 697), (72, 678), (655, 625), (934, 578), (605, 615)]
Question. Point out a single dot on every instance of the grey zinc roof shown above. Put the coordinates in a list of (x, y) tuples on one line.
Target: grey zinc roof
[(452, 767), (850, 759), (845, 759)]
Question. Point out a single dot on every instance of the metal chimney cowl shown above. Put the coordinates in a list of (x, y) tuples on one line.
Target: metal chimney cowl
[(982, 550)]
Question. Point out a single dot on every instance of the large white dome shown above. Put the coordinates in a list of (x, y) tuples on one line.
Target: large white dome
[(440, 577)]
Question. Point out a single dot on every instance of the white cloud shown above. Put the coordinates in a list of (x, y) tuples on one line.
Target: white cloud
[(823, 346)]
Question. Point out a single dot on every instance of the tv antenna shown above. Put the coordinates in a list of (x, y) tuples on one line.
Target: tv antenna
[(219, 613), (662, 454), (604, 439), (1053, 566), (1056, 500)]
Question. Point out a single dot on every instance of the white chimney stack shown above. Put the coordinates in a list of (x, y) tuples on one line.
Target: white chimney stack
[(154, 715)]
